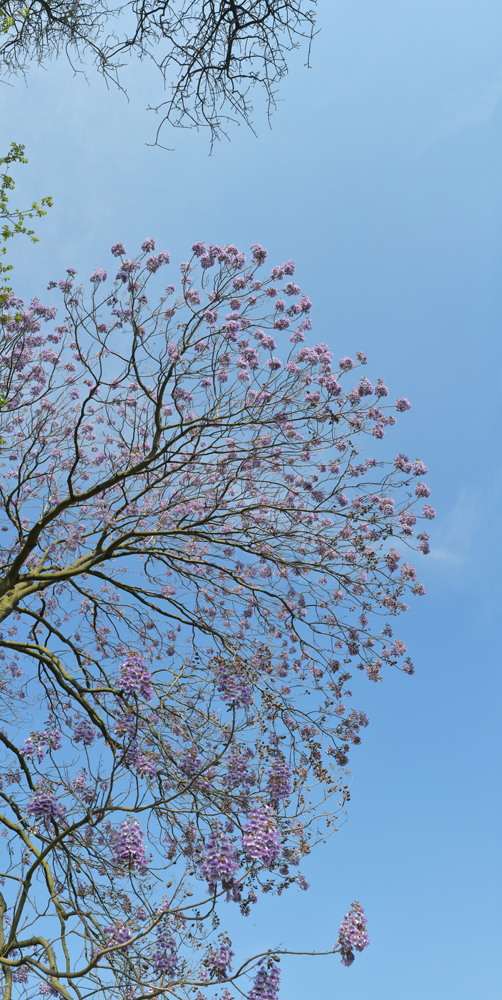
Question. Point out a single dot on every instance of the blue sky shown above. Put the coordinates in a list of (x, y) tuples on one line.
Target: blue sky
[(381, 177)]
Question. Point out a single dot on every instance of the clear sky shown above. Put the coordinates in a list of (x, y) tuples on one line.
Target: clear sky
[(382, 178)]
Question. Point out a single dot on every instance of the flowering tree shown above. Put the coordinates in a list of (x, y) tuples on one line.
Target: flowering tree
[(211, 54), (195, 553)]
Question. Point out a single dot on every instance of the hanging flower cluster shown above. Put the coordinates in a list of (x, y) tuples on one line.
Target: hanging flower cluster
[(128, 851), (352, 935), (260, 838)]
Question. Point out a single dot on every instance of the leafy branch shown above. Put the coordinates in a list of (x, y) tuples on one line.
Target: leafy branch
[(14, 219)]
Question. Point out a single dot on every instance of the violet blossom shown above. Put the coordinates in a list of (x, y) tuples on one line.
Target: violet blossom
[(352, 935)]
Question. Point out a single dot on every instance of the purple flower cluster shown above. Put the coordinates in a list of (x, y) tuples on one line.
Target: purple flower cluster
[(219, 961), (423, 539), (288, 268), (21, 975), (279, 780), (354, 722), (260, 838), (422, 490), (153, 263), (407, 522), (147, 765), (258, 253), (98, 276), (381, 389), (266, 982), (392, 560), (165, 958), (219, 863), (135, 678), (47, 989), (79, 783), (238, 772), (120, 936), (402, 463), (352, 935), (419, 469), (403, 404), (128, 851), (373, 671), (37, 743), (126, 724), (44, 805), (228, 254), (408, 572), (386, 505), (233, 686), (83, 732)]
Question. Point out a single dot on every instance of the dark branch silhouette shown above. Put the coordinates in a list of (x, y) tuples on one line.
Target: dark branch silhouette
[(210, 53)]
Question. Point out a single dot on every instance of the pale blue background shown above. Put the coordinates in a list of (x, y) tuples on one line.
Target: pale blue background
[(382, 177)]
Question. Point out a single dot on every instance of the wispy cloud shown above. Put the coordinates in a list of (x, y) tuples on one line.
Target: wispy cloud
[(454, 542), (467, 538)]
